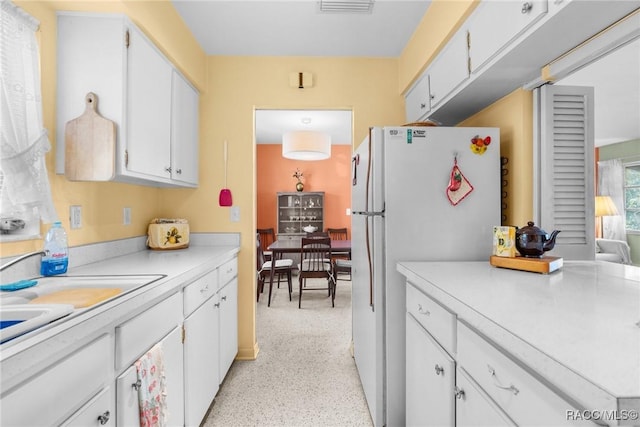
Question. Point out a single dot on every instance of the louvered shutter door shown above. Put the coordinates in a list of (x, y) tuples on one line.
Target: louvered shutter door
[(566, 193)]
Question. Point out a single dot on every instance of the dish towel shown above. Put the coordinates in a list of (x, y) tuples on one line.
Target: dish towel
[(152, 394)]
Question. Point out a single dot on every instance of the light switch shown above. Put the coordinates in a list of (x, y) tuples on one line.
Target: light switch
[(75, 216), (126, 216), (235, 213)]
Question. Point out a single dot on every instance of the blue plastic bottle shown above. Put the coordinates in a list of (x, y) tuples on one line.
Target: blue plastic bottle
[(57, 258)]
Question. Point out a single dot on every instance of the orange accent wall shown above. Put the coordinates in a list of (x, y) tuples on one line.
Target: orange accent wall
[(274, 174)]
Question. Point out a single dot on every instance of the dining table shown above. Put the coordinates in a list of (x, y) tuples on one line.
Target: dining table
[(294, 246)]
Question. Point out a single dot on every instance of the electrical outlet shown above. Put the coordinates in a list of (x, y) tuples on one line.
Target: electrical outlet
[(235, 213), (75, 216), (126, 216)]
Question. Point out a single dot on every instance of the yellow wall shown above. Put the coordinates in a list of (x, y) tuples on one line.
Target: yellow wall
[(231, 88), (513, 114)]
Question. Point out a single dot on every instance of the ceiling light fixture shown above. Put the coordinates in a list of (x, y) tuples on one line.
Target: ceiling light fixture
[(306, 145), (346, 6)]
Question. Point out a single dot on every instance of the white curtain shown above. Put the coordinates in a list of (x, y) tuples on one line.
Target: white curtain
[(24, 184), (611, 183)]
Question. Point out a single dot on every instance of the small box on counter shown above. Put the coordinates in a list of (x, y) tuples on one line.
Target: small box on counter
[(504, 241), (165, 233)]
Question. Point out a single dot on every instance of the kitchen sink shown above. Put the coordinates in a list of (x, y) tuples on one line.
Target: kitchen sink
[(54, 297), (66, 285)]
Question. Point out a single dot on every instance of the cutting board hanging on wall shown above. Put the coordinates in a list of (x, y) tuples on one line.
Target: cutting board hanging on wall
[(90, 145)]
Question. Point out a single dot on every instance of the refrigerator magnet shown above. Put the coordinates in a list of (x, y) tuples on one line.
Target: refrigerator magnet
[(479, 145)]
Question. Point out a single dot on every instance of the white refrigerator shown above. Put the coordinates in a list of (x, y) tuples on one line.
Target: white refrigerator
[(419, 193)]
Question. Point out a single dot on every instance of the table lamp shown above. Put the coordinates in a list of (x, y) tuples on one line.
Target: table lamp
[(604, 207)]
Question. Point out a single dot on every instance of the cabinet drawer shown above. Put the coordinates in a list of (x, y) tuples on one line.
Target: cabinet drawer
[(60, 389), (440, 322), (137, 335), (227, 271), (523, 397), (99, 411), (196, 293), (474, 407)]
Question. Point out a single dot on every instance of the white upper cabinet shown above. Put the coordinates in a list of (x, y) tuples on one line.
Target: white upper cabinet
[(450, 69), (184, 131), (494, 24), (148, 140), (138, 88), (417, 103)]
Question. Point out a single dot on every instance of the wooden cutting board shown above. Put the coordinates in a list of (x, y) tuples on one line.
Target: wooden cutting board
[(90, 145), (79, 298), (544, 265)]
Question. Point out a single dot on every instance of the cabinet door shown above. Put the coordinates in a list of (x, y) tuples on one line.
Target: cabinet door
[(148, 119), (474, 407), (450, 69), (127, 408), (228, 327), (430, 379), (494, 24), (201, 361), (416, 101), (184, 131)]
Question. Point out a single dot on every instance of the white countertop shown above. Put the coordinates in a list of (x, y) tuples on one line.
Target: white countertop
[(19, 356), (577, 327)]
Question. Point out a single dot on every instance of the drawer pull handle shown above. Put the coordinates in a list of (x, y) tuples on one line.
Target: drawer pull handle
[(458, 393), (224, 298), (205, 289), (513, 389), (216, 305), (423, 311), (104, 418), (526, 7), (137, 385), (439, 370)]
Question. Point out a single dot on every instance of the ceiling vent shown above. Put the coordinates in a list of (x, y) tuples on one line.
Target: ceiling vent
[(346, 6)]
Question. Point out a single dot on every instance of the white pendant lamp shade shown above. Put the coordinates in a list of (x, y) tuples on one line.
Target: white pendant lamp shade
[(306, 145)]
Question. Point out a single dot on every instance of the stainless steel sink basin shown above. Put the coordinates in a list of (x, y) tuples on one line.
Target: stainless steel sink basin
[(18, 319), (51, 284)]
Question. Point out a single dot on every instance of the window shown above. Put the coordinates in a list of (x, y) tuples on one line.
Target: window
[(632, 196)]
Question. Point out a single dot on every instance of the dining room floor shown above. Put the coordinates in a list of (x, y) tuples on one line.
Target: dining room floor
[(304, 374)]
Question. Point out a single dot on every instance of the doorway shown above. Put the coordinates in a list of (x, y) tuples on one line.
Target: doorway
[(275, 174)]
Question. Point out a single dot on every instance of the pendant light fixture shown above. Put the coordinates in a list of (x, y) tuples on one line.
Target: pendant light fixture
[(306, 145)]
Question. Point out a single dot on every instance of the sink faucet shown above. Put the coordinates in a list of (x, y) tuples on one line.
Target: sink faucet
[(21, 258)]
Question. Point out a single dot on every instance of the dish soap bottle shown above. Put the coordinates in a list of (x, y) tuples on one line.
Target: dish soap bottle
[(56, 259)]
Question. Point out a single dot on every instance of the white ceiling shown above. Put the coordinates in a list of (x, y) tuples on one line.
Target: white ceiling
[(272, 124), (297, 28)]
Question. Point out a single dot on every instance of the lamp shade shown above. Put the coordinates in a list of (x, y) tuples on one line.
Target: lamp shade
[(605, 206), (306, 145)]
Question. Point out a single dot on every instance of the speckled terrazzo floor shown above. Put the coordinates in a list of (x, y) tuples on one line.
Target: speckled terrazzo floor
[(304, 374)]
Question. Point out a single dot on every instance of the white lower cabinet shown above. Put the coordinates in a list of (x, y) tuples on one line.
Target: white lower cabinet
[(201, 361), (228, 297), (127, 385), (59, 390), (430, 374), (475, 384), (474, 407)]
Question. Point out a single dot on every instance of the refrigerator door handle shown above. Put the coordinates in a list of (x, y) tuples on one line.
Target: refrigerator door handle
[(369, 213)]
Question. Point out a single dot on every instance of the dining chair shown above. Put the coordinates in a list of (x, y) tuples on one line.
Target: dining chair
[(341, 267), (339, 234), (281, 267), (315, 262), (317, 234), (267, 237)]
